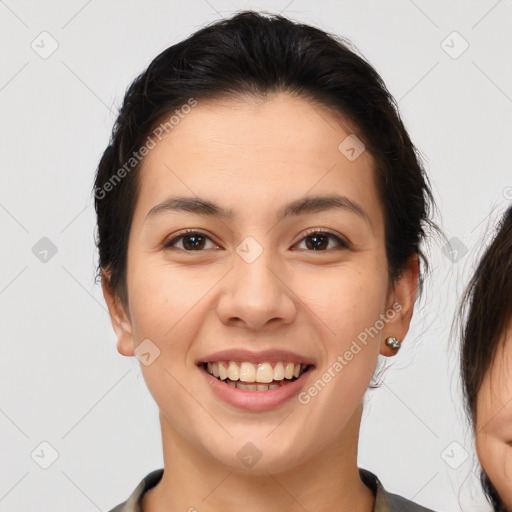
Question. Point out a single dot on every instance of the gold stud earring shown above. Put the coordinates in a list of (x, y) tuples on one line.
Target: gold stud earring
[(394, 343)]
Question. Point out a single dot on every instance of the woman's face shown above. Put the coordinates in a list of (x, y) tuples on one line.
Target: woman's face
[(252, 286), (493, 432)]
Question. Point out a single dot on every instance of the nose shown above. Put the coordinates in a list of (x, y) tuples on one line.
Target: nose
[(256, 293)]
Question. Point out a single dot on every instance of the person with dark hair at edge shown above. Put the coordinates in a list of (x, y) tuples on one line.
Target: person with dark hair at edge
[(486, 358), (260, 211)]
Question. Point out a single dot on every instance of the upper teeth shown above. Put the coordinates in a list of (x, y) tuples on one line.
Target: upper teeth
[(248, 372)]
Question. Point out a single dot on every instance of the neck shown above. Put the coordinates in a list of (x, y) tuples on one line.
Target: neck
[(193, 481)]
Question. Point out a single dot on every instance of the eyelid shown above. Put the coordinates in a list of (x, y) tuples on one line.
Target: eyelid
[(181, 234), (342, 241)]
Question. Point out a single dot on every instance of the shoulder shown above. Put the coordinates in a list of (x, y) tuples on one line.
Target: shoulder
[(132, 504), (386, 501), (394, 502)]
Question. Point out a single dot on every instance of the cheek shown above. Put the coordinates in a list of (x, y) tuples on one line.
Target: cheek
[(345, 300), (163, 298), (495, 457), (149, 303), (349, 299), (348, 305)]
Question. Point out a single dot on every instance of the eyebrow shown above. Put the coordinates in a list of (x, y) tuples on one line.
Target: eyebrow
[(303, 206)]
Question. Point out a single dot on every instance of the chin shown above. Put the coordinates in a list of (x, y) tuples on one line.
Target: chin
[(256, 458)]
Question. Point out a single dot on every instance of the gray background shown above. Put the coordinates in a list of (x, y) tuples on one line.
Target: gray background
[(64, 384)]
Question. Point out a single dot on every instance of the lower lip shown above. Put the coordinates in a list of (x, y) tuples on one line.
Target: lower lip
[(255, 400)]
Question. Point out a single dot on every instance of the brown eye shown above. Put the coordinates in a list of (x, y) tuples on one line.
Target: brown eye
[(319, 240), (192, 241)]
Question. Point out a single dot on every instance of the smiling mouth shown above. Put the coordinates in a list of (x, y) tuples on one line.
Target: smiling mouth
[(261, 377)]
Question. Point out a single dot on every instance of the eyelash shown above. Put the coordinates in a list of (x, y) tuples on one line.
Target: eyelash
[(343, 244)]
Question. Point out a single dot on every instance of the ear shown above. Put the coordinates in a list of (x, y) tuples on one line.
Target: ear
[(119, 317), (400, 305)]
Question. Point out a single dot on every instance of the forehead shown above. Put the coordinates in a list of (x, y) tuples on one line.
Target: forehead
[(275, 126), (245, 154)]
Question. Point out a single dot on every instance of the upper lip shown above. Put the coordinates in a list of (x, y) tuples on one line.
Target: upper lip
[(257, 357)]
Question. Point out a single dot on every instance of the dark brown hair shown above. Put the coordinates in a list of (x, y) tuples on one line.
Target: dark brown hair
[(486, 308), (257, 54)]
